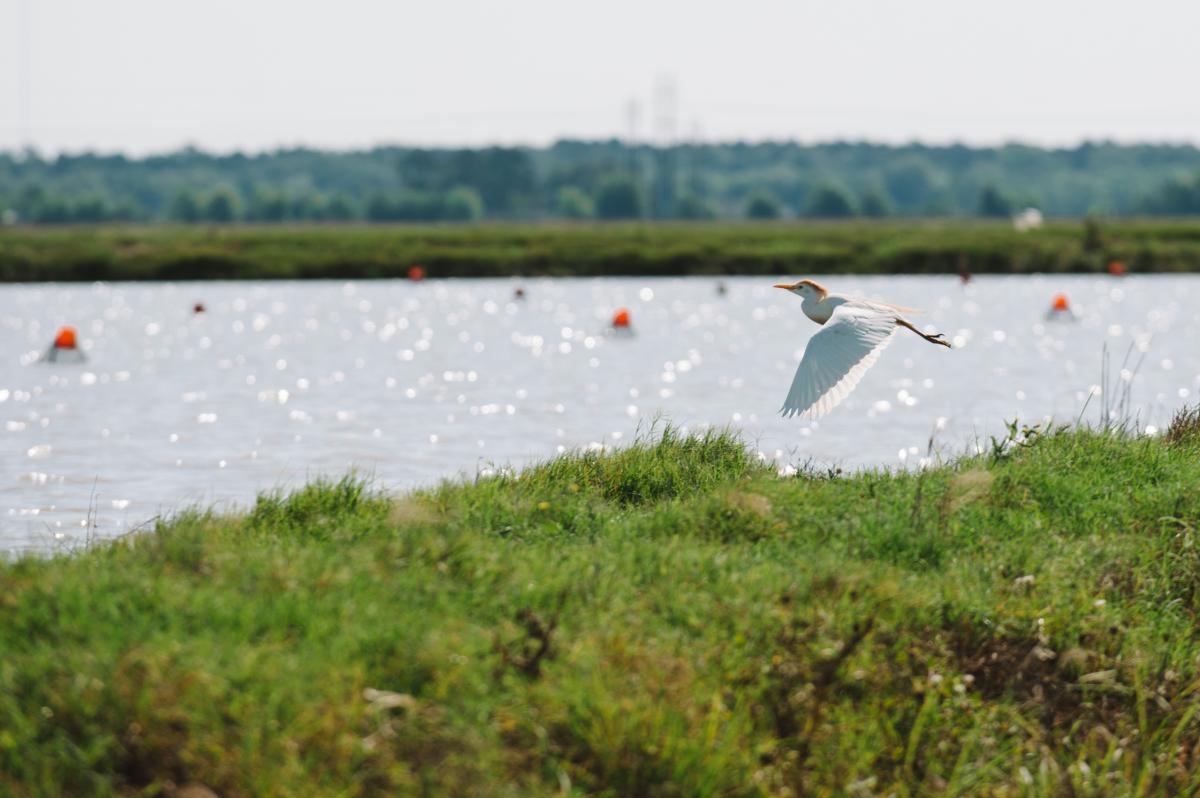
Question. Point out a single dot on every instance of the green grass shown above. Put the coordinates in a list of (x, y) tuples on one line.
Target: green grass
[(348, 251), (670, 619)]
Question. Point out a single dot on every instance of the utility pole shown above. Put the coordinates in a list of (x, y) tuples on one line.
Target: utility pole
[(23, 78), (633, 118), (666, 110)]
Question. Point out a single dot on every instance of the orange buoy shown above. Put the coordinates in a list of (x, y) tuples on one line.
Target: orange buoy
[(416, 274), (621, 319), (1116, 268), (1061, 303), (198, 307), (65, 338), (64, 349)]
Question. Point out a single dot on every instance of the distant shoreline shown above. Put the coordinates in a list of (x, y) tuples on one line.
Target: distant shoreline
[(361, 251)]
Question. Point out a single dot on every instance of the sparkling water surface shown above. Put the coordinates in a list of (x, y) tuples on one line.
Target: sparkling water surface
[(280, 382)]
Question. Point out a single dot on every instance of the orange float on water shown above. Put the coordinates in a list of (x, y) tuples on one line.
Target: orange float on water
[(416, 274), (1116, 268), (64, 349), (1060, 309), (65, 338), (621, 319)]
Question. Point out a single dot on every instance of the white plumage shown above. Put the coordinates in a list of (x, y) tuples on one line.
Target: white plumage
[(836, 359), (854, 332)]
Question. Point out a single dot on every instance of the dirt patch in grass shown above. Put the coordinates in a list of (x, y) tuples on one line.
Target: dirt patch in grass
[(1056, 687)]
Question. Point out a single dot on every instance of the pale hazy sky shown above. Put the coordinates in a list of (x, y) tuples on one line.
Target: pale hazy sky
[(151, 75)]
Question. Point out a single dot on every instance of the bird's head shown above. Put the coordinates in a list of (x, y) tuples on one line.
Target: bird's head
[(805, 289)]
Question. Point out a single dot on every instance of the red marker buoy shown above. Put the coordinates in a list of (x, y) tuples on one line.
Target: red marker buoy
[(1060, 309), (621, 320), (65, 348), (198, 307), (1116, 268), (65, 338), (416, 274)]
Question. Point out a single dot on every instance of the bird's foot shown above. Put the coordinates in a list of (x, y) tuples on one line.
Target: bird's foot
[(938, 338)]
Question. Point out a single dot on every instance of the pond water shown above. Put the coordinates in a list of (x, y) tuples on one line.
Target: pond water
[(280, 382)]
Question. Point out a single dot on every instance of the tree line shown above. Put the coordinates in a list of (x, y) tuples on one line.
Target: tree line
[(606, 180)]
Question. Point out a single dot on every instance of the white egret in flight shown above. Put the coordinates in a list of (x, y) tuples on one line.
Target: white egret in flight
[(854, 332)]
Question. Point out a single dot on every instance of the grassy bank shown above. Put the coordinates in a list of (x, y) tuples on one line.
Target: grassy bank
[(673, 619), (177, 253)]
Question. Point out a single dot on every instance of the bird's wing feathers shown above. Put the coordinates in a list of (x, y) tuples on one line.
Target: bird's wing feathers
[(836, 359), (885, 307)]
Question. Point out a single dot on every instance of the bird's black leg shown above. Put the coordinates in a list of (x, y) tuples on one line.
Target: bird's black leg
[(935, 338)]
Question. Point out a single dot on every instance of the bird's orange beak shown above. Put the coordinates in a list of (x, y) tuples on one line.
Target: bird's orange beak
[(783, 285)]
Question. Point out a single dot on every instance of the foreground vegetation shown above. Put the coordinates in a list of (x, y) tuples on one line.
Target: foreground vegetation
[(236, 252), (673, 619)]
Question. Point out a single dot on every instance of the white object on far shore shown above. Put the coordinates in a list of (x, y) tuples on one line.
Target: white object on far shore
[(1028, 219)]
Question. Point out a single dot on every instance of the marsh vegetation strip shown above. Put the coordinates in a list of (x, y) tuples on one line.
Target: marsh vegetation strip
[(350, 251), (278, 382), (673, 618)]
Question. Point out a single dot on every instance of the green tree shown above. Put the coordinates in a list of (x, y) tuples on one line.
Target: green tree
[(1178, 196), (91, 210), (691, 207), (462, 204), (1093, 235), (915, 180), (184, 207), (875, 203), (664, 181), (305, 205), (912, 183), (421, 170), (126, 210), (829, 201), (267, 205), (993, 204), (29, 201), (571, 203), (763, 205), (504, 177), (380, 209), (619, 197), (224, 205), (340, 209), (407, 206), (52, 210)]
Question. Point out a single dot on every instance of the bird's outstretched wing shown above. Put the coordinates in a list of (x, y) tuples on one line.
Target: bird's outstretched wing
[(836, 359)]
